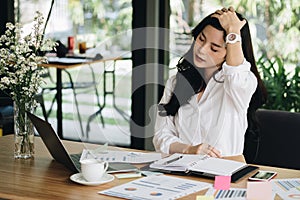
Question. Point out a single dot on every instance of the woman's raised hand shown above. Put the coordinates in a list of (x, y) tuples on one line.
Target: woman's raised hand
[(229, 20)]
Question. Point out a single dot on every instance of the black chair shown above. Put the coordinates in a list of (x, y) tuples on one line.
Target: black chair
[(278, 143), (70, 84), (6, 114)]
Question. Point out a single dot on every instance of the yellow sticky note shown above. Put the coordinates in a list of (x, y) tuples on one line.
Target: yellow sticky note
[(259, 190), (203, 197)]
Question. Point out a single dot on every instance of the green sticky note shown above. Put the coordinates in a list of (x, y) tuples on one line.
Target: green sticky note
[(203, 197)]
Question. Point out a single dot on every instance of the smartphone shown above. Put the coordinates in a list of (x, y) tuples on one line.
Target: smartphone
[(263, 176)]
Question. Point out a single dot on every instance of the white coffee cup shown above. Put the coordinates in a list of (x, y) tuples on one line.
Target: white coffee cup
[(93, 170)]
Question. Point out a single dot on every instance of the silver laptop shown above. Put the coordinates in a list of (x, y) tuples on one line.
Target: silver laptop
[(59, 153)]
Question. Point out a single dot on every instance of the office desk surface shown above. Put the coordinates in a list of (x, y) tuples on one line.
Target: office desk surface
[(44, 178)]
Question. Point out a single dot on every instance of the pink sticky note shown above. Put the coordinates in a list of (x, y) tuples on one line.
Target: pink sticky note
[(222, 182), (259, 190)]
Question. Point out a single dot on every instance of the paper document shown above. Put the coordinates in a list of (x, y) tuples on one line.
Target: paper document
[(287, 188), (121, 156), (156, 187), (232, 193)]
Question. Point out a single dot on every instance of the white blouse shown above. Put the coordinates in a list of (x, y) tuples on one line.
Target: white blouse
[(219, 118)]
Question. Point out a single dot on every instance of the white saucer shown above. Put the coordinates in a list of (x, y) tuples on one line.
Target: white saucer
[(78, 178)]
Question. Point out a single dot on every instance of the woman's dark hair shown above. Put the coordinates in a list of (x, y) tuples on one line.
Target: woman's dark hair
[(189, 80)]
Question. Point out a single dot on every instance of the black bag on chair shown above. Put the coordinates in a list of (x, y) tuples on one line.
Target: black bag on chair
[(61, 49)]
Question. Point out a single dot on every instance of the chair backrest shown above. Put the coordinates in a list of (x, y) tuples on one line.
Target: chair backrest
[(6, 114), (279, 141), (47, 75)]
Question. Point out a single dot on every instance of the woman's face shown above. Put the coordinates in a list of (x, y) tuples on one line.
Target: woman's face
[(209, 49)]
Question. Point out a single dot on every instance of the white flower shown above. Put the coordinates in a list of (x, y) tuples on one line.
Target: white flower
[(20, 59), (5, 80)]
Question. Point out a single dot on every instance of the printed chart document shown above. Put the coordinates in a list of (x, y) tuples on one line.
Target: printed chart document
[(198, 164), (232, 193), (287, 188), (120, 156), (156, 187)]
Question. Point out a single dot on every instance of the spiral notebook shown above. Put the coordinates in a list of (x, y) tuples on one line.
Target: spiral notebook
[(202, 165)]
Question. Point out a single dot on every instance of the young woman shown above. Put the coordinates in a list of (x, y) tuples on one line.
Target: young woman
[(207, 107)]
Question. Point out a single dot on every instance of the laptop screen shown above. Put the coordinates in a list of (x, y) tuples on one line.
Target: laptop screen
[(52, 142), (59, 153)]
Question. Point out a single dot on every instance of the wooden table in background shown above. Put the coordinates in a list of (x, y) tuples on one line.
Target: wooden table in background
[(64, 66), (44, 178)]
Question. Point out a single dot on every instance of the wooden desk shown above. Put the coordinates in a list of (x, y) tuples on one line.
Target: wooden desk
[(64, 66), (43, 178)]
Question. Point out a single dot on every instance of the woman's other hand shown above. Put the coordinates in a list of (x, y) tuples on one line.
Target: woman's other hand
[(203, 149)]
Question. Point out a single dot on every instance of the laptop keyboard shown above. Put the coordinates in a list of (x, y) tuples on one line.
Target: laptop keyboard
[(75, 158)]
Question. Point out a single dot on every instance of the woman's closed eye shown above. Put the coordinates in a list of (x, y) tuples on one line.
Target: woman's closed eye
[(216, 47), (201, 38), (214, 50)]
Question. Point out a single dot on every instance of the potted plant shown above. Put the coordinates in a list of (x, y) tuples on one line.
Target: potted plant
[(282, 85)]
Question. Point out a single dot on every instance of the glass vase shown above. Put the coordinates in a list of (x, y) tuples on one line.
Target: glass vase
[(24, 132)]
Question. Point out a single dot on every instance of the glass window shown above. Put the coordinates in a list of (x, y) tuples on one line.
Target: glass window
[(99, 23)]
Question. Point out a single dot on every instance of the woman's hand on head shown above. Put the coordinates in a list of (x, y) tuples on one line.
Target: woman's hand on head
[(203, 149), (229, 20)]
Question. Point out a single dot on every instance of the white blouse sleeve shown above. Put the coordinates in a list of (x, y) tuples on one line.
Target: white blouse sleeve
[(239, 84), (165, 131)]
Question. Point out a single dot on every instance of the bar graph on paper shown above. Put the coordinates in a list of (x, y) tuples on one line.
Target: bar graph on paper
[(232, 193), (287, 189)]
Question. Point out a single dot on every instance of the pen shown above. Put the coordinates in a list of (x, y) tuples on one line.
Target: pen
[(172, 160)]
